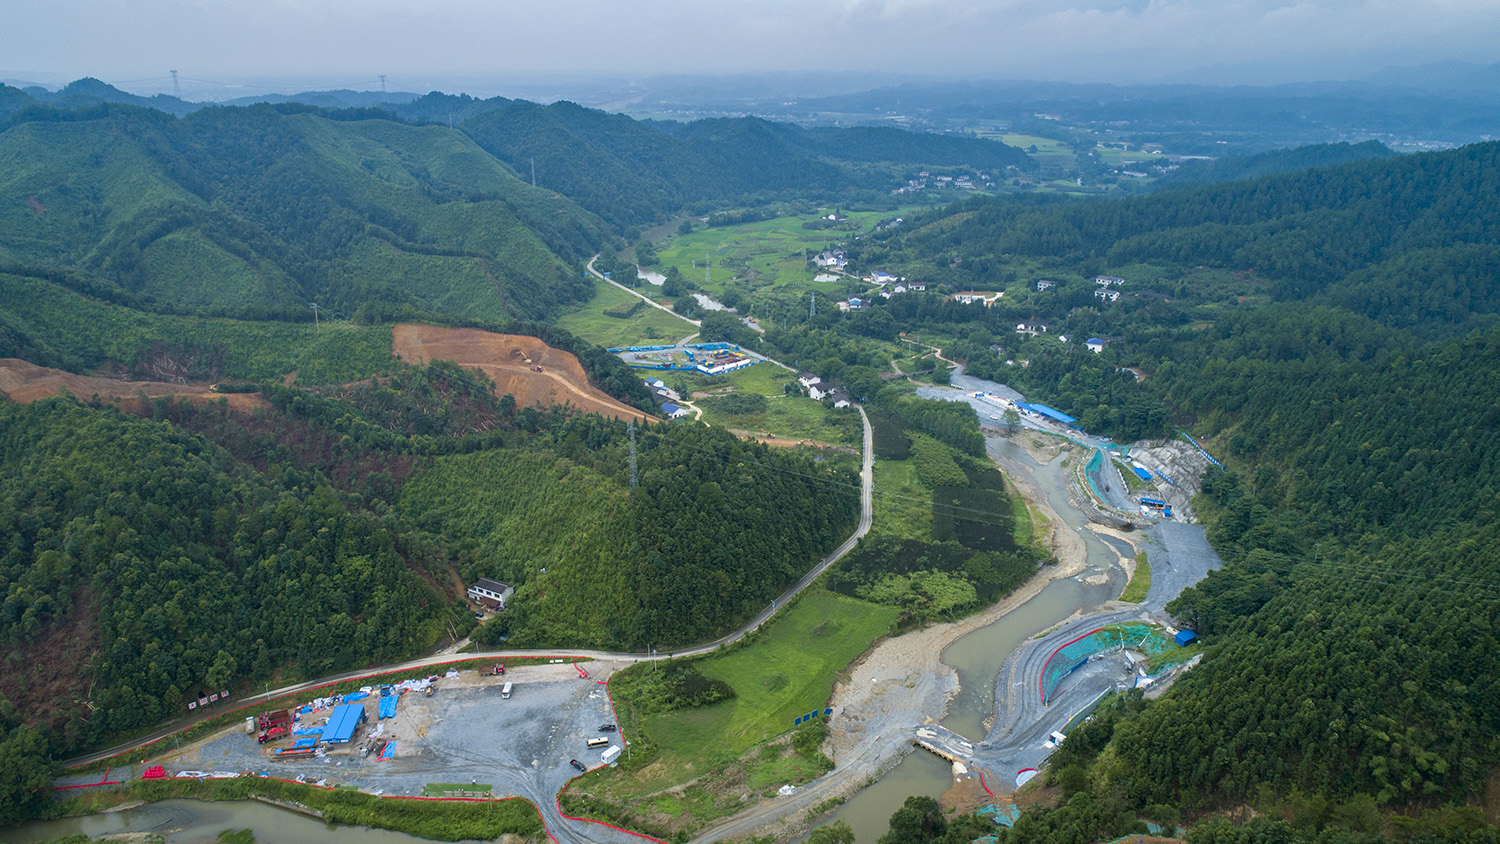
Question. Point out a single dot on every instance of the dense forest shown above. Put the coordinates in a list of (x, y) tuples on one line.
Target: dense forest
[(1331, 334), (189, 546)]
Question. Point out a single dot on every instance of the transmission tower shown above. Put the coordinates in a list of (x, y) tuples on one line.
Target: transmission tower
[(533, 172), (176, 91), (382, 87), (634, 476), (314, 307), (705, 268), (812, 305)]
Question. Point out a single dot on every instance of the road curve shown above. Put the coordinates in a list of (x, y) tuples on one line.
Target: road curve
[(866, 515), (643, 297)]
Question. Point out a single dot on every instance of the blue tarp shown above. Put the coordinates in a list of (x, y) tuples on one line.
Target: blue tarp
[(1141, 473), (304, 742), (1185, 637), (388, 706), (342, 723), (353, 696), (1048, 412)]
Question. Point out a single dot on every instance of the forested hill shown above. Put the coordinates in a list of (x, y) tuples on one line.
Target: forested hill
[(146, 559), (1237, 167), (265, 209), (634, 173), (1344, 235), (1332, 337)]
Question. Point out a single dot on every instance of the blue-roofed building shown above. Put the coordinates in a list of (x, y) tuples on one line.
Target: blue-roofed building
[(1141, 473), (345, 719), (1043, 410), (1186, 637), (673, 411)]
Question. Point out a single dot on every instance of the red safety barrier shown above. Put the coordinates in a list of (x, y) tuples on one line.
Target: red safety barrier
[(251, 704)]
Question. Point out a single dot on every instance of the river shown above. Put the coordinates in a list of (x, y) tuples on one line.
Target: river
[(197, 822), (978, 656)]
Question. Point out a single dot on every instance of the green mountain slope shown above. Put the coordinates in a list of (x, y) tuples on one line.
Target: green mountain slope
[(273, 208), (1332, 336), (636, 172)]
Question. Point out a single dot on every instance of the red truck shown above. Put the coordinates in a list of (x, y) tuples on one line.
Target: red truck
[(274, 733), (267, 720)]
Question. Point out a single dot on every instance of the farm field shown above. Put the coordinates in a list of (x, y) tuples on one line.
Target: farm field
[(729, 749), (793, 418), (903, 507), (591, 322), (767, 253)]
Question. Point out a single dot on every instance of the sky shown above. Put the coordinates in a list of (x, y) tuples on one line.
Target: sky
[(244, 46)]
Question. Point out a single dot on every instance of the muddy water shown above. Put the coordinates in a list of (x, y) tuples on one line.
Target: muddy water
[(196, 822), (978, 656)]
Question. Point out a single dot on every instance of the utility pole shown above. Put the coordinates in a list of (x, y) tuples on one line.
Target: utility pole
[(176, 91), (706, 264), (314, 307)]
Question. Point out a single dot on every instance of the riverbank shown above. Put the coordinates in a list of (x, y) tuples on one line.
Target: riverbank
[(902, 682)]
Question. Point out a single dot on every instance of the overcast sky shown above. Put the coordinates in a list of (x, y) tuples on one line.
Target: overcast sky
[(419, 44)]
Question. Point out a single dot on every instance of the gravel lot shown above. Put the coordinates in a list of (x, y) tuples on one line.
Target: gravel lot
[(464, 733)]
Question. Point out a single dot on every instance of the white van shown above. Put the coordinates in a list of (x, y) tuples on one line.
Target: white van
[(505, 690)]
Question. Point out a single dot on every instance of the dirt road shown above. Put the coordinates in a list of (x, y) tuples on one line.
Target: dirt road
[(24, 382), (504, 358)]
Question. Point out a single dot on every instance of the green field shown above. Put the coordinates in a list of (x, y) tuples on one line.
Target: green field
[(1140, 582), (903, 507), (764, 254), (590, 322), (1049, 152), (1024, 530), (730, 751), (787, 673), (788, 417)]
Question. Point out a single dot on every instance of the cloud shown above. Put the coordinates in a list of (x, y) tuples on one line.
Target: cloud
[(1081, 39)]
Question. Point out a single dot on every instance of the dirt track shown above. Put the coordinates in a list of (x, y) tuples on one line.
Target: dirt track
[(26, 382), (503, 358)]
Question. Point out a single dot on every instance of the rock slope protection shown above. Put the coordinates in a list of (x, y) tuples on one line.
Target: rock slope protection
[(503, 357)]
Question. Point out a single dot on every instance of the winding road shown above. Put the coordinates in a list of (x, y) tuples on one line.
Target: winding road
[(543, 794)]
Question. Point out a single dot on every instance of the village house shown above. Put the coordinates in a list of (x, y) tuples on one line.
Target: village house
[(1109, 281), (490, 593), (1032, 328), (1044, 284), (969, 297), (1107, 294)]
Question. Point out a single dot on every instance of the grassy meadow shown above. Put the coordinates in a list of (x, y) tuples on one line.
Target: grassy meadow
[(647, 325)]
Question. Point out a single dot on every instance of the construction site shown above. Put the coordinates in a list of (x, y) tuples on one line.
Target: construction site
[(516, 733)]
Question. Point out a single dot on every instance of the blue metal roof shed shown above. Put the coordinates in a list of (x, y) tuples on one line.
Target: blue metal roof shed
[(1049, 413), (343, 722), (1186, 637), (1141, 473)]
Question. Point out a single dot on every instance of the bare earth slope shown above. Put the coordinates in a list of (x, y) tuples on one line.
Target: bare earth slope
[(26, 382), (503, 358)]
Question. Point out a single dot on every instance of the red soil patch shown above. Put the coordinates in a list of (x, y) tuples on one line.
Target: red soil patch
[(26, 382), (503, 357)]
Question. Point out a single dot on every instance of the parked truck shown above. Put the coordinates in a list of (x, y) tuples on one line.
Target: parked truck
[(267, 720), (274, 733)]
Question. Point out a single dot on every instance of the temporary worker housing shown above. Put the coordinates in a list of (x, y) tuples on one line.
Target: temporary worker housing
[(1043, 410), (343, 722)]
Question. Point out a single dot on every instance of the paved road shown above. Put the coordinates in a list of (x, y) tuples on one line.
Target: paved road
[(643, 297), (543, 793)]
